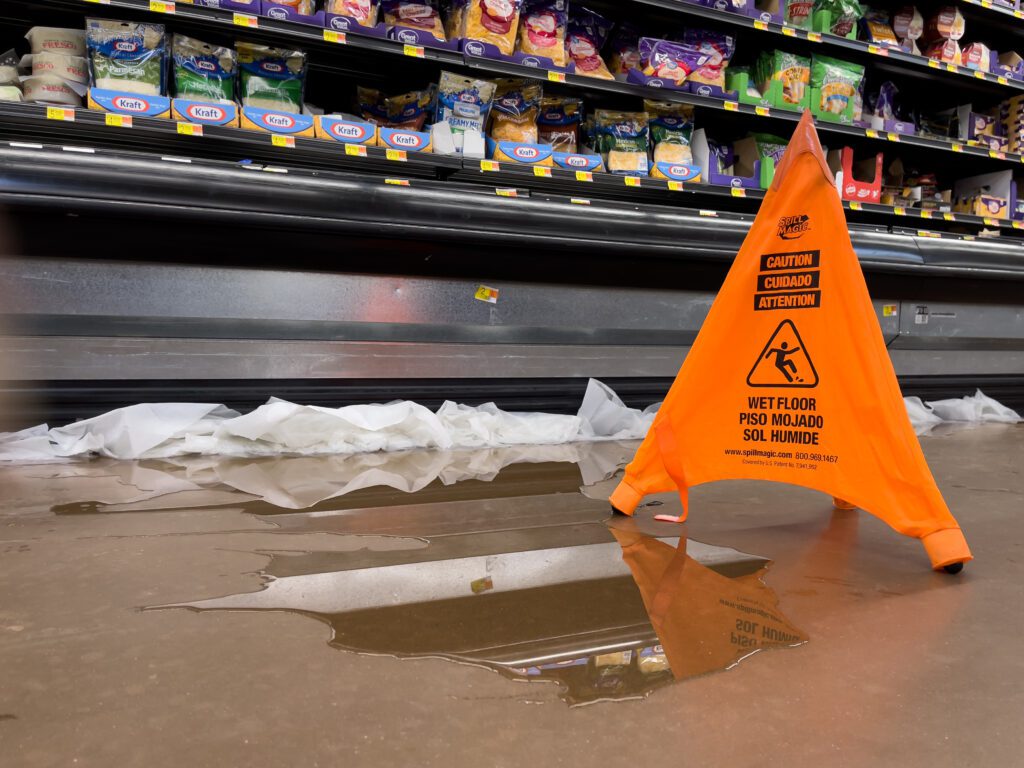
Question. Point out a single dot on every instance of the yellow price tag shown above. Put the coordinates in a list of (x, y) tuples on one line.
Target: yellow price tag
[(99, 2), (900, 211), (958, 147), (979, 74), (996, 155), (949, 217), (871, 133), (926, 233), (892, 136), (788, 31), (355, 150), (416, 51), (926, 214), (121, 121), (855, 206), (1002, 80), (556, 77), (398, 155), (814, 37), (579, 201), (190, 129), (878, 50), (397, 182), (934, 64), (160, 6), (334, 36), (1018, 14), (989, 222), (738, 192), (951, 68), (488, 294), (506, 192), (60, 113), (731, 106), (489, 165), (631, 181), (675, 186), (986, 3), (584, 176), (541, 172), (763, 26), (763, 111), (282, 141), (245, 20), (1018, 224)]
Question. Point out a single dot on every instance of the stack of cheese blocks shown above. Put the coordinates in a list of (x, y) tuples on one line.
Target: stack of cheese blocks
[(56, 71), (1011, 115)]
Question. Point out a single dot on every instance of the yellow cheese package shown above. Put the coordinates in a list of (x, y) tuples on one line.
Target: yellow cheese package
[(623, 139), (414, 14), (671, 128), (585, 38), (542, 30), (837, 83), (515, 111), (558, 124), (495, 22)]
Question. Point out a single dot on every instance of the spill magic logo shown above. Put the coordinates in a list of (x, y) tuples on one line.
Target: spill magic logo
[(793, 227)]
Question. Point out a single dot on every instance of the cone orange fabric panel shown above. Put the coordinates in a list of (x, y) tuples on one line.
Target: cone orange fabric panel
[(789, 378)]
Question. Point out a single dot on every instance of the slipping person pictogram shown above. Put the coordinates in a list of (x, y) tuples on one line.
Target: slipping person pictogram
[(838, 424)]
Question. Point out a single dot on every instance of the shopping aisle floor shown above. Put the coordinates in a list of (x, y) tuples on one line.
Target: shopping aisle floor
[(287, 612)]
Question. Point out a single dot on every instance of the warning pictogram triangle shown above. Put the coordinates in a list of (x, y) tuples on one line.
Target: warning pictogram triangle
[(784, 361)]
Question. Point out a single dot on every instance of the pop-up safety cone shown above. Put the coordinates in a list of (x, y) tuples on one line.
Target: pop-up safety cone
[(789, 378)]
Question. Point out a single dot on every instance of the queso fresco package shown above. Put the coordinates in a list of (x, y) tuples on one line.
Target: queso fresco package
[(127, 56)]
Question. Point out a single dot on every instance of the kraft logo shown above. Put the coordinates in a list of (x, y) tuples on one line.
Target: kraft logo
[(467, 97), (348, 131), (794, 227), (526, 153), (209, 66), (405, 36), (407, 140), (577, 162), (278, 120), (127, 46), (206, 112), (270, 66), (704, 90), (679, 170), (129, 104)]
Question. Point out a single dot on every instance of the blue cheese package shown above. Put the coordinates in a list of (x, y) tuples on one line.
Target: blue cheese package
[(464, 102)]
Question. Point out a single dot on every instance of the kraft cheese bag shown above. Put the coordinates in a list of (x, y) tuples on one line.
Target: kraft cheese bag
[(464, 102), (271, 78), (515, 111), (558, 124), (671, 128), (623, 140), (127, 56), (203, 72)]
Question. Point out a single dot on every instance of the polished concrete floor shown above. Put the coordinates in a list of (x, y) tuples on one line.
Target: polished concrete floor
[(475, 609)]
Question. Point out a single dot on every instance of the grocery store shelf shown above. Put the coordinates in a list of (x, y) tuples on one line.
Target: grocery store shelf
[(833, 41)]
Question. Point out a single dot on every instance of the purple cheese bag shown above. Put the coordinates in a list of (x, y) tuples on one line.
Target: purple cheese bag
[(670, 61)]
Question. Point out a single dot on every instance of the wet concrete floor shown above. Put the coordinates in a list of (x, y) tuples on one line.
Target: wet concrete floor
[(483, 608)]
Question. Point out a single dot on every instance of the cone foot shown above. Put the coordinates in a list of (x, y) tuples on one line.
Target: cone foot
[(953, 568), (616, 511)]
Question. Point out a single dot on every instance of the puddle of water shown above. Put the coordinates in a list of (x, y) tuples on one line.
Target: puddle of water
[(516, 568)]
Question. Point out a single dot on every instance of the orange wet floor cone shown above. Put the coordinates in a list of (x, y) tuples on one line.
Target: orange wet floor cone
[(789, 378)]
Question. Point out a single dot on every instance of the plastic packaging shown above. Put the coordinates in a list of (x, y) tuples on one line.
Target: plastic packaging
[(558, 124), (671, 127), (48, 89), (271, 78), (718, 48), (203, 72), (363, 11), (464, 102), (624, 141), (421, 14), (127, 56), (70, 42), (515, 111), (798, 13), (908, 23), (74, 69), (455, 21), (669, 61), (408, 111), (877, 28), (625, 51), (10, 93), (845, 14), (495, 22), (794, 72), (769, 146), (837, 81), (586, 36), (542, 30)]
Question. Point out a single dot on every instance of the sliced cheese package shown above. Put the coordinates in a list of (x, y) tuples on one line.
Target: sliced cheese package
[(671, 127), (495, 22), (542, 30), (586, 36), (837, 81), (515, 111), (421, 14), (272, 78), (623, 140), (558, 124), (363, 11)]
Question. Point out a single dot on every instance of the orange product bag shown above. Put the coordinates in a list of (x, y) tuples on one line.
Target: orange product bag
[(789, 378), (542, 30), (495, 22)]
